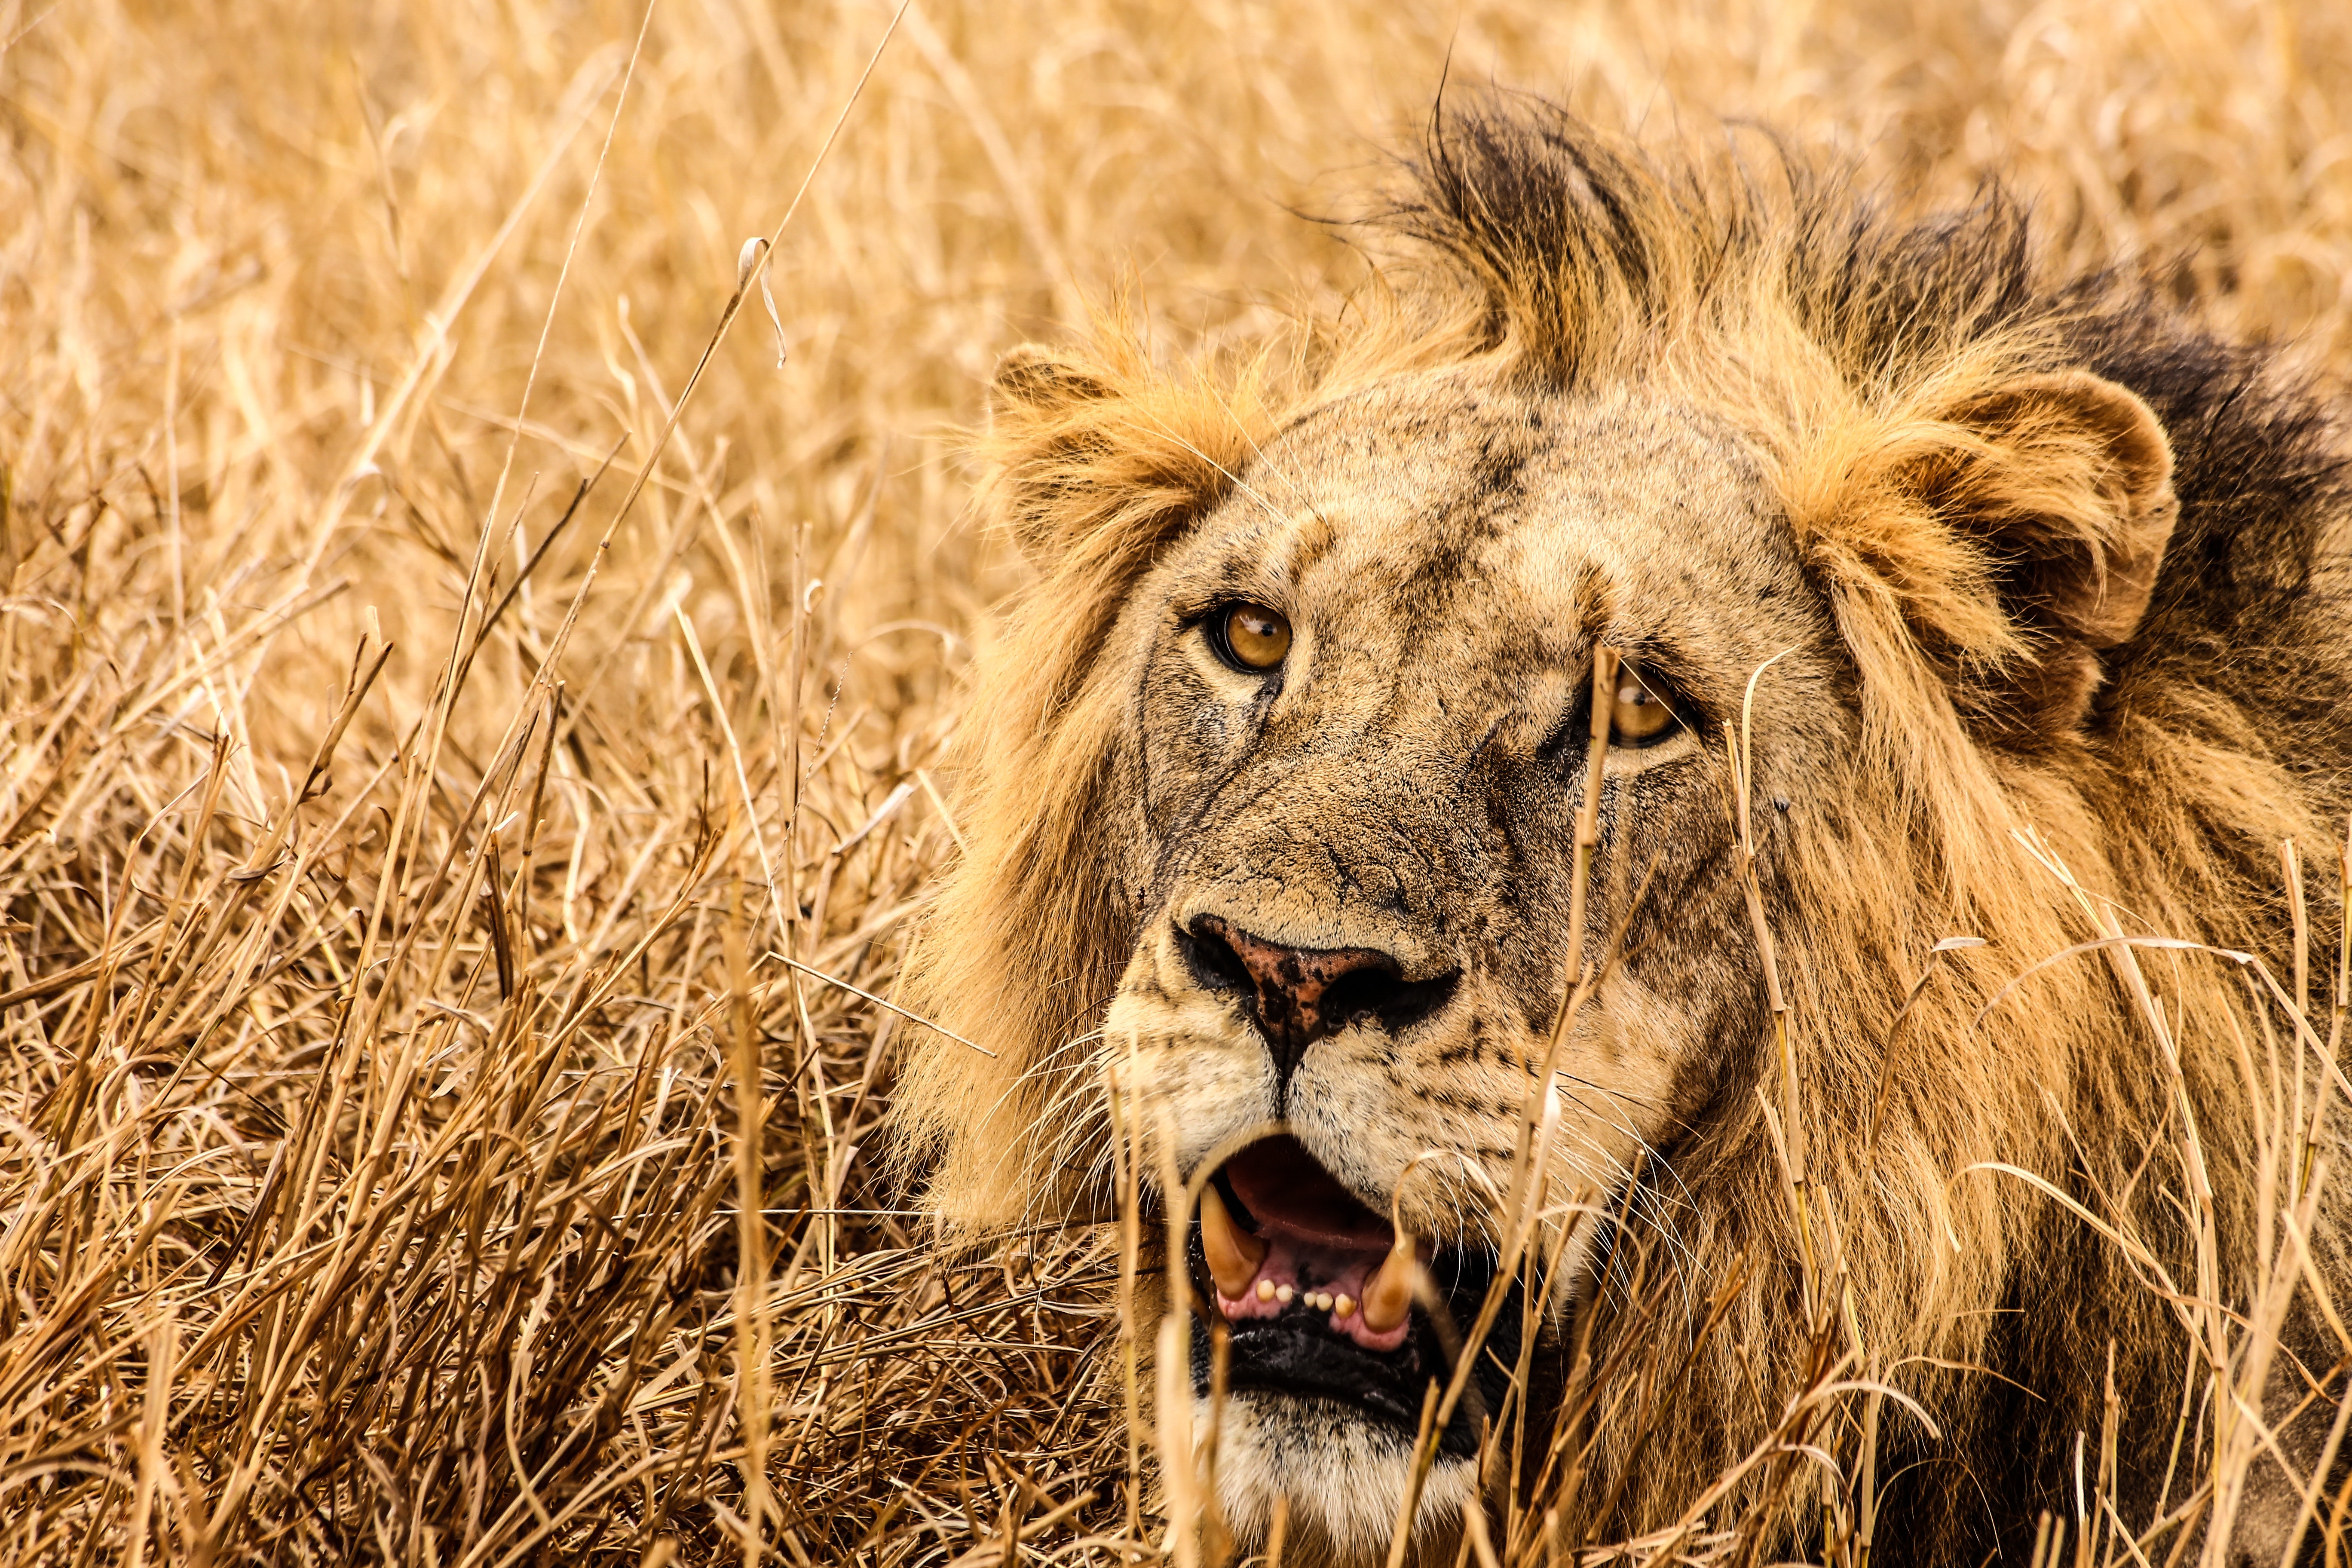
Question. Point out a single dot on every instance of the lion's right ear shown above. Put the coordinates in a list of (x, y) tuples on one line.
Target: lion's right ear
[(1042, 424), (1094, 460), (1029, 381)]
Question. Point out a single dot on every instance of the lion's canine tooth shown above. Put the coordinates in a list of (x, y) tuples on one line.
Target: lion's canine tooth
[(1388, 1295), (1265, 1289), (1233, 1254)]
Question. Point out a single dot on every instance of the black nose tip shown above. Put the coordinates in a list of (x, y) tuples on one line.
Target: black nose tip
[(1302, 993)]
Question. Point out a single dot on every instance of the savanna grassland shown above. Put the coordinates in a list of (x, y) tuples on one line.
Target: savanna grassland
[(479, 727)]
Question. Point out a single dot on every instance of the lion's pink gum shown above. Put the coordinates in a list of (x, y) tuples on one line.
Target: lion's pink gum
[(1319, 1236)]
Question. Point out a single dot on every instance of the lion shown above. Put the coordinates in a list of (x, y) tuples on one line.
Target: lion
[(1959, 622)]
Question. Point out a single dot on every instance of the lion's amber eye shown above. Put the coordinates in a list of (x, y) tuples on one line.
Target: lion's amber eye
[(1641, 714), (1252, 637)]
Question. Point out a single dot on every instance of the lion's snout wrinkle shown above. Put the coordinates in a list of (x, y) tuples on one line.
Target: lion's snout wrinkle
[(1301, 994)]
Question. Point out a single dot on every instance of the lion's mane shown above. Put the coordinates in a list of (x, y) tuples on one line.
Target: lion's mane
[(1855, 349)]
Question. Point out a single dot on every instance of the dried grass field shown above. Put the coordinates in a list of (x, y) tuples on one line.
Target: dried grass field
[(475, 743)]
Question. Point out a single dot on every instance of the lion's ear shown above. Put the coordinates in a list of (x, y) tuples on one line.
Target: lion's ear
[(2062, 486), (1038, 430), (1030, 382)]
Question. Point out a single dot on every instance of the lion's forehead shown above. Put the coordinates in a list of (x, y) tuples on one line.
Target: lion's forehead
[(1520, 517)]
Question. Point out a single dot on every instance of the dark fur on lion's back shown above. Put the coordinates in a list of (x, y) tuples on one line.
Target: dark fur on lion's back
[(2168, 765), (2246, 648)]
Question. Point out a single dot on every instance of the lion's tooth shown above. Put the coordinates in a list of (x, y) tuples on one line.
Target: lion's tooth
[(1285, 1294), (1344, 1304), (1388, 1295), (1233, 1254), (1265, 1289)]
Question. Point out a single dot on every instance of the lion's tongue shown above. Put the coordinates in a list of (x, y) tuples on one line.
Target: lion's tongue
[(1318, 1238)]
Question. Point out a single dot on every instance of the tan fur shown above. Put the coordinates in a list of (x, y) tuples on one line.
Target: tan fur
[(1963, 526)]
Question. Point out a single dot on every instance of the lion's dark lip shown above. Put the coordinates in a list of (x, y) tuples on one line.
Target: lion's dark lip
[(1296, 1355)]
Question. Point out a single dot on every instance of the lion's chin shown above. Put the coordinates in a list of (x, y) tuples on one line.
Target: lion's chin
[(1345, 1477)]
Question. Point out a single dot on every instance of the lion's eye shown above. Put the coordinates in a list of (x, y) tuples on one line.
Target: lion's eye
[(1251, 636), (1640, 715)]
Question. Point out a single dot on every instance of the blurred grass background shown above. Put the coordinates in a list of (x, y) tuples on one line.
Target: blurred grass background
[(373, 1115)]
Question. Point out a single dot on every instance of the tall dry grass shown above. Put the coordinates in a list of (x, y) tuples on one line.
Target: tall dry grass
[(444, 911)]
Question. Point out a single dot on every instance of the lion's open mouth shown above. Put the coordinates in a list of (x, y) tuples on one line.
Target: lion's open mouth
[(1302, 1282)]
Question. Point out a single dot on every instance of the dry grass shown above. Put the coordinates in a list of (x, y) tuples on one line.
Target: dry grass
[(398, 840)]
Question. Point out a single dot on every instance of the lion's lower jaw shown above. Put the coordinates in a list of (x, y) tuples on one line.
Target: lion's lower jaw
[(1345, 1477)]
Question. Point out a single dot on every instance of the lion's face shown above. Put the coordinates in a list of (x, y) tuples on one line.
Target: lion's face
[(1361, 691)]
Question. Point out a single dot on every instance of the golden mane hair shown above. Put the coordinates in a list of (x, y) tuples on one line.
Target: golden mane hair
[(1940, 420)]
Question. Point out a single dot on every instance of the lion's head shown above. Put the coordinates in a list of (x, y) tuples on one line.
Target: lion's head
[(1276, 773)]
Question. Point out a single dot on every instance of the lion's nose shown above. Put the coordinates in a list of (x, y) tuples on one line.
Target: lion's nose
[(1304, 994)]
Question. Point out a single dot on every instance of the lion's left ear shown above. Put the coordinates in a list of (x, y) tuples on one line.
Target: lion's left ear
[(2060, 486)]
